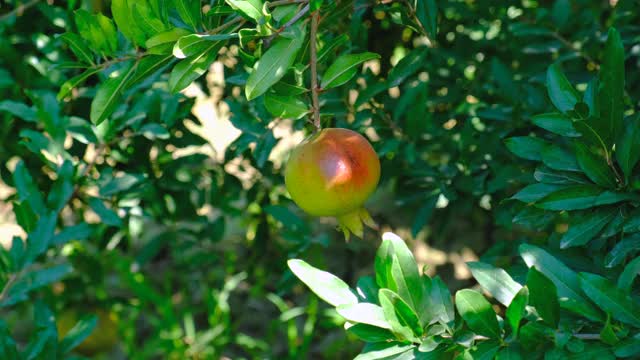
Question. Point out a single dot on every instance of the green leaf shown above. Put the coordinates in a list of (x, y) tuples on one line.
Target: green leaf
[(562, 94), (331, 45), (45, 339), (543, 295), (62, 188), (545, 175), (370, 333), (148, 66), (406, 277), (98, 30), (485, 350), (40, 238), (622, 249), (607, 334), (274, 64), (625, 281), (122, 11), (119, 184), (19, 110), (78, 333), (327, 286), (534, 192), (611, 92), (287, 217), (108, 31), (189, 12), (263, 148), (565, 280), (364, 313), (383, 350), (595, 167), (628, 347), (78, 46), (367, 289), (7, 344), (74, 82), (407, 66), (427, 14), (76, 232), (477, 313), (575, 197), (495, 281), (628, 146), (167, 37), (109, 95), (108, 216), (583, 228), (558, 158), (535, 334), (612, 197), (344, 68), (441, 305), (424, 214), (401, 317), (251, 9), (526, 147), (286, 107), (610, 298), (429, 344), (191, 68), (516, 309), (32, 280), (510, 353), (195, 44), (556, 123), (154, 131), (27, 189), (147, 20), (560, 12)]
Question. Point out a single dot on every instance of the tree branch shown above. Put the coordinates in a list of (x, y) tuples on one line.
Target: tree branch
[(313, 62), (298, 16), (226, 25), (19, 10), (587, 336)]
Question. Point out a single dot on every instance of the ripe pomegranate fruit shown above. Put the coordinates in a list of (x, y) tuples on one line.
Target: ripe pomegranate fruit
[(332, 173)]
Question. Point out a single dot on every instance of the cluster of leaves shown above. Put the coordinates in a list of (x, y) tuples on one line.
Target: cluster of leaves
[(588, 170), (402, 314)]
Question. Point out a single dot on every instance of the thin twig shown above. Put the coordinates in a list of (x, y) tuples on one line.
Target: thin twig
[(313, 62), (19, 10), (298, 16), (226, 25), (570, 45), (587, 336), (5, 290)]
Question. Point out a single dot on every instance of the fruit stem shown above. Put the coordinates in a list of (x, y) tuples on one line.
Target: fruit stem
[(313, 62), (351, 223)]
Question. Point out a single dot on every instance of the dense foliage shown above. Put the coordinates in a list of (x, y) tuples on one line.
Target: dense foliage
[(142, 146)]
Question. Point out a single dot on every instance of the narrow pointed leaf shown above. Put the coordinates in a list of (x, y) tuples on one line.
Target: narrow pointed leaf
[(327, 286), (610, 298), (344, 68)]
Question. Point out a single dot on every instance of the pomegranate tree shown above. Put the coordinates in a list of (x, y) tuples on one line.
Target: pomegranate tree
[(332, 173)]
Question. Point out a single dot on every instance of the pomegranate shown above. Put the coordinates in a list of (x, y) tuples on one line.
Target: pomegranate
[(332, 173)]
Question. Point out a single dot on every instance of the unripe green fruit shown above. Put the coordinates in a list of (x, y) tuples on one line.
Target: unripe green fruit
[(332, 173)]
